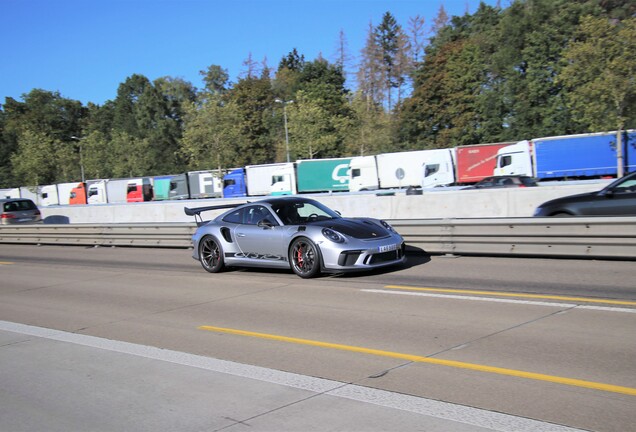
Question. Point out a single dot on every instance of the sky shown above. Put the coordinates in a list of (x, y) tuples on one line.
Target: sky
[(84, 49)]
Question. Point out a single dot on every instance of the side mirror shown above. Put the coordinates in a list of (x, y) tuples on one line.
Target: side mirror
[(609, 193)]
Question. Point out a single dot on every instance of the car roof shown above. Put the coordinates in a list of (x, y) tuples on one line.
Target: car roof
[(14, 199), (284, 199)]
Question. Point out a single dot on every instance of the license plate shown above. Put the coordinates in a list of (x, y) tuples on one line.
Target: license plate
[(387, 248)]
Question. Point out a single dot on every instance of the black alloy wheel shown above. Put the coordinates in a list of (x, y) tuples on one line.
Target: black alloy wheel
[(304, 257), (211, 254)]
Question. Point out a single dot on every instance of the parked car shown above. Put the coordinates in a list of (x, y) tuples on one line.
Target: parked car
[(294, 233), (507, 181), (616, 199), (19, 210)]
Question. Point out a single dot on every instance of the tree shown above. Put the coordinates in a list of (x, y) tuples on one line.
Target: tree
[(34, 162), (287, 77), (314, 132), (370, 75), (253, 98), (342, 56), (369, 130), (440, 21), (45, 121), (216, 80), (211, 135), (152, 113), (599, 72), (393, 46), (417, 38)]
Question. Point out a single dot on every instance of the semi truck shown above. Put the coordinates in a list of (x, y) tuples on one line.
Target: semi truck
[(400, 170), (57, 194), (581, 156), (311, 176), (253, 180), (107, 191)]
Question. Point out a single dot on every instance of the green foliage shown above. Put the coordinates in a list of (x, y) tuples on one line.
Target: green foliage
[(599, 72), (254, 99), (211, 135)]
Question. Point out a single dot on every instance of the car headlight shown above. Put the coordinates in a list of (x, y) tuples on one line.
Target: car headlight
[(332, 235), (387, 226)]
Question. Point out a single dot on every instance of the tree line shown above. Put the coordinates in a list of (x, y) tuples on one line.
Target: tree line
[(535, 68)]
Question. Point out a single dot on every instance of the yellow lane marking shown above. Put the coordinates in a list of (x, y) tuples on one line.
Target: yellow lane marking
[(419, 359), (6, 263), (515, 295)]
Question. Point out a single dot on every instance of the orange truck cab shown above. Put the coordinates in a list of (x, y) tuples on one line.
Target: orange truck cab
[(78, 194)]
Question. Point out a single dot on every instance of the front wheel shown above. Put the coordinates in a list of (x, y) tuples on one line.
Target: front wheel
[(304, 257), (210, 254)]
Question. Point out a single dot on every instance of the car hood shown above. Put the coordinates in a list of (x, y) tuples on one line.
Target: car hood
[(584, 197), (356, 228)]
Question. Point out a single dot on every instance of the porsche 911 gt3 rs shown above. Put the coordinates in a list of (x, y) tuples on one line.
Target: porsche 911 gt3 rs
[(293, 232)]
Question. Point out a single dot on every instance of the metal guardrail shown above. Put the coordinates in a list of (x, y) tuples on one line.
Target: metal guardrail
[(604, 237), (176, 235)]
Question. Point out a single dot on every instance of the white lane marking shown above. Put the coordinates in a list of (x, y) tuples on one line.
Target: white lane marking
[(428, 407), (501, 300)]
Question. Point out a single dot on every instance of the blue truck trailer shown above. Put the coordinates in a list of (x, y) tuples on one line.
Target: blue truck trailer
[(592, 155)]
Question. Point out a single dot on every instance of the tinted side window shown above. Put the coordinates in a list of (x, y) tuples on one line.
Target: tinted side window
[(26, 205), (234, 217)]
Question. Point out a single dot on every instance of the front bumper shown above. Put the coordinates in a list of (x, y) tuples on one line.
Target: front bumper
[(375, 254)]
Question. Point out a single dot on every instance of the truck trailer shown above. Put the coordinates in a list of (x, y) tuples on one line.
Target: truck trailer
[(311, 176), (582, 156), (195, 185)]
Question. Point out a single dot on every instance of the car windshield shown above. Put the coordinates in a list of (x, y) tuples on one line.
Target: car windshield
[(302, 212), (626, 184)]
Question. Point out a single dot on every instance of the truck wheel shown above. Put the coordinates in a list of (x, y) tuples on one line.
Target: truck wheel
[(211, 254), (304, 258)]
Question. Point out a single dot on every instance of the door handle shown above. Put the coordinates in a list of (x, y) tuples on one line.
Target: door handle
[(240, 235)]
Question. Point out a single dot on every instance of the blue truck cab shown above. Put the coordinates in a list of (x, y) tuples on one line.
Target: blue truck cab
[(234, 184)]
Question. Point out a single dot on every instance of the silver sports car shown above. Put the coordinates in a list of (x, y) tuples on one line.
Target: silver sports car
[(293, 232)]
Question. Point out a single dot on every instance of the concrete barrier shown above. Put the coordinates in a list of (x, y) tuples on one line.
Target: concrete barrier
[(432, 204)]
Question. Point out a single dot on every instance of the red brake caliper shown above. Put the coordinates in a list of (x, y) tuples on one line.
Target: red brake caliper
[(299, 256)]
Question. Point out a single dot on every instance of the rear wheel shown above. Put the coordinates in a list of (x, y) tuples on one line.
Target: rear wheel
[(211, 254), (304, 257)]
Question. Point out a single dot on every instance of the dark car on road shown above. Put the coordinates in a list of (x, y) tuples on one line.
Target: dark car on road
[(616, 199), (508, 181), (18, 210)]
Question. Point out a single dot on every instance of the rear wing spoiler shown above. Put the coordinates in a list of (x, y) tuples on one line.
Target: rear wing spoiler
[(196, 212)]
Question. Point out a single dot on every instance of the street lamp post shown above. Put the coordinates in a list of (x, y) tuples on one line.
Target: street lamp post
[(285, 121)]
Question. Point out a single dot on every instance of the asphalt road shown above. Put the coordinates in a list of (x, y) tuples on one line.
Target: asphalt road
[(538, 339)]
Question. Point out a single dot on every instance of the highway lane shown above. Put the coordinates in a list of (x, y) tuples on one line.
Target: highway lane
[(375, 330)]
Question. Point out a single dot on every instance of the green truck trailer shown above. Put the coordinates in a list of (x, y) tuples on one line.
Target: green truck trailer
[(311, 176)]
